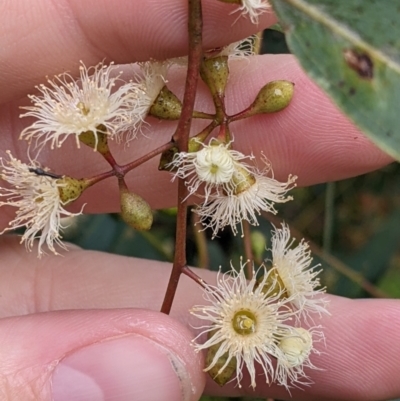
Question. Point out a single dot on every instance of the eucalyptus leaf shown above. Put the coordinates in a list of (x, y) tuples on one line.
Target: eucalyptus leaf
[(352, 50)]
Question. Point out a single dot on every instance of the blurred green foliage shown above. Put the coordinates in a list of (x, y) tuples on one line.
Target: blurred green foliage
[(351, 51)]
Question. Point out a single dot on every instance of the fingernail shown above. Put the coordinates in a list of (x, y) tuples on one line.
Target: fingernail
[(123, 369)]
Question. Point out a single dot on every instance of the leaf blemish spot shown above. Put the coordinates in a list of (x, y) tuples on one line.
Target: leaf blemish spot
[(360, 62)]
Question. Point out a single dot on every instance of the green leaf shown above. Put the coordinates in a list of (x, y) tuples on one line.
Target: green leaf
[(352, 50)]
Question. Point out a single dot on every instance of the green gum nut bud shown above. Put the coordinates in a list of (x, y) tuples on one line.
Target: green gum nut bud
[(221, 378), (194, 145), (135, 211), (243, 180), (166, 106), (70, 188), (96, 141), (273, 97), (214, 72), (273, 284)]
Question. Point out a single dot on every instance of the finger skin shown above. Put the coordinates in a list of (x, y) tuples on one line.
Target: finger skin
[(52, 36), (33, 345), (360, 361)]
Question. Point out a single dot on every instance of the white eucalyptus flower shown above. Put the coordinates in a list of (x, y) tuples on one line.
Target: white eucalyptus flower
[(246, 322), (69, 107), (292, 264), (38, 199), (213, 166), (254, 8), (252, 194)]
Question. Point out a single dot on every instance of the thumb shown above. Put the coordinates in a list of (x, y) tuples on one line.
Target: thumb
[(98, 355)]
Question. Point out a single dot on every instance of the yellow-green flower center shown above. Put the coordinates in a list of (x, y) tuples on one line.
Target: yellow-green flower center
[(82, 107), (214, 169), (244, 322)]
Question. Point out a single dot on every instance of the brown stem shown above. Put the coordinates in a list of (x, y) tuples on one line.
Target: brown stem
[(181, 138), (130, 166), (194, 58), (224, 134), (201, 114), (190, 273), (120, 171), (248, 112), (109, 158)]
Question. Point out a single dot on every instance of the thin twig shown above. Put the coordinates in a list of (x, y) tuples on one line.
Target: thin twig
[(191, 274), (181, 138)]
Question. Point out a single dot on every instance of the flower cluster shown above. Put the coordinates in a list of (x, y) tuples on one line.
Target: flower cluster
[(100, 106), (234, 190), (257, 322), (98, 103), (40, 198)]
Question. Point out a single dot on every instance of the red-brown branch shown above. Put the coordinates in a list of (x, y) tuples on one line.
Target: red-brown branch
[(181, 138)]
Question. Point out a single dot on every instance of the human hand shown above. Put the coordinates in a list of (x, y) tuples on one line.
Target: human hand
[(127, 352)]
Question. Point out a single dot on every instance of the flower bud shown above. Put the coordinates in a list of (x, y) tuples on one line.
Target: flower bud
[(70, 188), (242, 179), (273, 97), (297, 348), (214, 72), (273, 284), (220, 377), (96, 141), (166, 106), (135, 211)]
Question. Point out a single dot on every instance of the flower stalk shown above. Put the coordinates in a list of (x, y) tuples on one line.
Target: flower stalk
[(181, 138)]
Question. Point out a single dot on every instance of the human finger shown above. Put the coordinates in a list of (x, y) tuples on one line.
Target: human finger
[(359, 362), (48, 37), (103, 355)]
